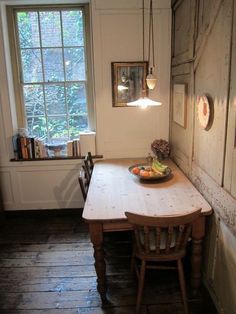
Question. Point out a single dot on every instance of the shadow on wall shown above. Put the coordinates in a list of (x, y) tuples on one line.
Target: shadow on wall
[(68, 194)]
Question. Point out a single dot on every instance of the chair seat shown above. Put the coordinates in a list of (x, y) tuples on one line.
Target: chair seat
[(153, 256)]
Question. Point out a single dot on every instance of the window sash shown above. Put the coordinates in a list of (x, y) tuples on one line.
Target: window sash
[(16, 63)]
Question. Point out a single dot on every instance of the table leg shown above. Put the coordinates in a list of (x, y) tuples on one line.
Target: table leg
[(96, 235), (198, 233)]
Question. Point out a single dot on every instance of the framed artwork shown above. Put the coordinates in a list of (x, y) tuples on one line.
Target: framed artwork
[(179, 104), (128, 82)]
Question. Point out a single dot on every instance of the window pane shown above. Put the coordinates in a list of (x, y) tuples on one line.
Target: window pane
[(51, 46), (37, 127), (77, 124), (57, 127), (34, 101), (53, 65), (72, 22), (76, 98), (28, 29), (74, 64), (50, 29), (31, 66), (55, 99)]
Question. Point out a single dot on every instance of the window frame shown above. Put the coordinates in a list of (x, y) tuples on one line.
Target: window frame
[(11, 10)]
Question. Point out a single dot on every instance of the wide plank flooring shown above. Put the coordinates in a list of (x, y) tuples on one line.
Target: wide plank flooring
[(46, 266)]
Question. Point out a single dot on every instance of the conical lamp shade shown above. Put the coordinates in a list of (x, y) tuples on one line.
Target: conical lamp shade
[(144, 102)]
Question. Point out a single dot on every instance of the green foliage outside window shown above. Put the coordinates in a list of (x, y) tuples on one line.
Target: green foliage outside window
[(54, 82)]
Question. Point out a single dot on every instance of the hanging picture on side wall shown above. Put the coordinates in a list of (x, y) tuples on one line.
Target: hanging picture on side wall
[(179, 104), (204, 111)]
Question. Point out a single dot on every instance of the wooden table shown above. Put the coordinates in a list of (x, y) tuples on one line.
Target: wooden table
[(114, 190)]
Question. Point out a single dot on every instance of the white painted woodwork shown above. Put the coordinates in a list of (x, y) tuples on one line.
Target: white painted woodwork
[(7, 185), (114, 190), (124, 4), (181, 137), (209, 157), (41, 187), (214, 80), (116, 30), (225, 266), (207, 14), (222, 202), (183, 24), (230, 157)]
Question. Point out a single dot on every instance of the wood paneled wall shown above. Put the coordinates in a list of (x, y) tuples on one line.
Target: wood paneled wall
[(203, 58)]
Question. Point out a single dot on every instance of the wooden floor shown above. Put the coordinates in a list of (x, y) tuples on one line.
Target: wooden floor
[(46, 266)]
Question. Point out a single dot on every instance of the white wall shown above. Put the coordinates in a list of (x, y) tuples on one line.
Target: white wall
[(117, 31), (121, 132)]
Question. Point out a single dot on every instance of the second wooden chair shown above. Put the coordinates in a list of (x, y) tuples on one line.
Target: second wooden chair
[(84, 181), (88, 162)]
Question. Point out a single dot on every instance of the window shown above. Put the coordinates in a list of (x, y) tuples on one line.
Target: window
[(50, 54)]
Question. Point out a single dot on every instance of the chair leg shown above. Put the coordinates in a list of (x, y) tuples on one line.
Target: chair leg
[(182, 285), (140, 285)]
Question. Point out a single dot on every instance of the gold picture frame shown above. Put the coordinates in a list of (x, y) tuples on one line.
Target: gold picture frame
[(179, 104), (128, 82)]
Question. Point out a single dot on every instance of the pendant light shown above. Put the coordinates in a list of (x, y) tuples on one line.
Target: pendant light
[(151, 79), (144, 101)]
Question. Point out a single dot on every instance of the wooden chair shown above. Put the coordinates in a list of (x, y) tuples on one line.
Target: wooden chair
[(160, 239), (84, 181), (88, 162)]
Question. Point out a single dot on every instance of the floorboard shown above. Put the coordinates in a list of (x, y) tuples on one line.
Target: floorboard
[(46, 266)]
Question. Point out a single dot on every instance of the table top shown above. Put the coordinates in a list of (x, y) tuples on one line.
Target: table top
[(114, 190)]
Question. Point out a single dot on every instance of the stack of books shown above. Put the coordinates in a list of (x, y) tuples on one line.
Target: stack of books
[(28, 148)]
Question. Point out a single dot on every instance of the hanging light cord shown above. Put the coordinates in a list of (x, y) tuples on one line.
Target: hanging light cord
[(151, 38), (143, 27)]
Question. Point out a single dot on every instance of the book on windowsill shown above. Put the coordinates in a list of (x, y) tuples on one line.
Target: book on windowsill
[(69, 146), (16, 147), (24, 150)]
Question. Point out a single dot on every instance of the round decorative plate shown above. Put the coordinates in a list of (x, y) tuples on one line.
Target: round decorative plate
[(203, 111), (154, 176)]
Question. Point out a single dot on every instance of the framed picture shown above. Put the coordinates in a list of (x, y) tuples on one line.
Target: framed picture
[(128, 82), (179, 104)]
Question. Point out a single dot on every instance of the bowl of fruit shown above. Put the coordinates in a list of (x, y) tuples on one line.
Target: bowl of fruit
[(155, 171)]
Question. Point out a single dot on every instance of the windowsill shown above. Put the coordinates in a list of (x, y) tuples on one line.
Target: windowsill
[(54, 158)]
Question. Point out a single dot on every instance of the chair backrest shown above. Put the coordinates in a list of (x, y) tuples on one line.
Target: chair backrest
[(84, 181), (88, 162), (162, 235)]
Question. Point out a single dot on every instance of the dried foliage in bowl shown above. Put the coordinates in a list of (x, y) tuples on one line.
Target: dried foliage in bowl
[(161, 148)]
